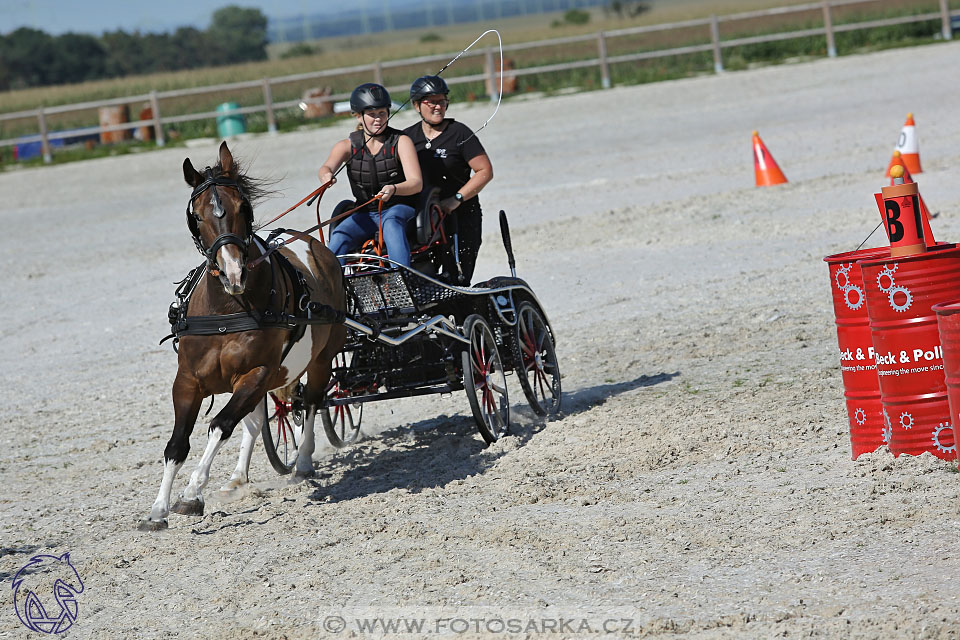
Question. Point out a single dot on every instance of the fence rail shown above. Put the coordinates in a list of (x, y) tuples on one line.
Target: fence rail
[(603, 61)]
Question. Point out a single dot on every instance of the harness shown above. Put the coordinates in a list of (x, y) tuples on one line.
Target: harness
[(218, 211), (306, 312)]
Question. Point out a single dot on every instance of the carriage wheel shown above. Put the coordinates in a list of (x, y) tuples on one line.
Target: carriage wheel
[(341, 422), (535, 361), (484, 380), (282, 433)]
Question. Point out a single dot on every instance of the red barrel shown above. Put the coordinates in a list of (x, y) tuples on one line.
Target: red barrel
[(948, 321), (857, 366), (906, 341)]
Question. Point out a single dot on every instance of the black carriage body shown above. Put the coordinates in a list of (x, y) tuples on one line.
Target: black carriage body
[(407, 332)]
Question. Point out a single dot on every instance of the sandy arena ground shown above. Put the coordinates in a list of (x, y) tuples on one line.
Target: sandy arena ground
[(699, 482)]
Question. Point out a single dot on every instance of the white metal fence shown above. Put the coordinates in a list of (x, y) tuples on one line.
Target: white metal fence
[(269, 107)]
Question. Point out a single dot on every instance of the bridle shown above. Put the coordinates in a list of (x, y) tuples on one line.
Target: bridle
[(218, 211)]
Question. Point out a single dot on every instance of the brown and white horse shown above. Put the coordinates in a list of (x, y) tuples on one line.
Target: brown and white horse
[(244, 363)]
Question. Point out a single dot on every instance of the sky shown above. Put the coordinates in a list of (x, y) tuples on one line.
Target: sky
[(96, 16)]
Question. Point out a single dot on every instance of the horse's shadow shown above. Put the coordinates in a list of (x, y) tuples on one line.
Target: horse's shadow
[(435, 452)]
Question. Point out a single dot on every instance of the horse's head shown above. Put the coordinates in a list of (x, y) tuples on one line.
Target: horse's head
[(220, 217)]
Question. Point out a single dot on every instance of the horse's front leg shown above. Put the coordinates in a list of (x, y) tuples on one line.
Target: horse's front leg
[(307, 445), (187, 399), (247, 394), (252, 425)]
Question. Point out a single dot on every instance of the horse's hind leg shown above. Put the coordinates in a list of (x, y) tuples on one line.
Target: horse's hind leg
[(318, 375), (187, 399), (247, 394), (252, 424)]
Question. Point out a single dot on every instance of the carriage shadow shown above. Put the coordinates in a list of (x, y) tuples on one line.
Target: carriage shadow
[(433, 453)]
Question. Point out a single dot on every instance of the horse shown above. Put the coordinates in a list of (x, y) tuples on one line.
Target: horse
[(232, 348)]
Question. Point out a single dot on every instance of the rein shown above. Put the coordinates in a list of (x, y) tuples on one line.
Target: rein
[(305, 235)]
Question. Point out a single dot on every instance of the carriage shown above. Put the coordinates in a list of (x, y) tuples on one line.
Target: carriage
[(332, 339), (412, 333)]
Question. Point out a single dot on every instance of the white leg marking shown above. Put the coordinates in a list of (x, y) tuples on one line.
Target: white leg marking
[(252, 424), (307, 445), (161, 508), (201, 475)]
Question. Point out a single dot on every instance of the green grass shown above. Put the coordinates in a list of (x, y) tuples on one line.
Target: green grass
[(343, 52)]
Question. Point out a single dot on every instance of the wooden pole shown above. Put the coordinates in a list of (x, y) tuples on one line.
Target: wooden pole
[(157, 124), (828, 27), (268, 105), (947, 28), (378, 72), (715, 36), (604, 67), (44, 141), (492, 76)]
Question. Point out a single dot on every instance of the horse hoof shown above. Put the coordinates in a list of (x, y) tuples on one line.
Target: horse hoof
[(299, 475), (231, 488), (188, 507), (152, 525)]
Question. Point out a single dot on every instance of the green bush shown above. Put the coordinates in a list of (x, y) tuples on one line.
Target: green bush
[(430, 37), (576, 16), (301, 49)]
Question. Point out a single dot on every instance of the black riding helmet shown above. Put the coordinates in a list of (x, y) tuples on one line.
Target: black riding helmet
[(428, 86), (369, 95)]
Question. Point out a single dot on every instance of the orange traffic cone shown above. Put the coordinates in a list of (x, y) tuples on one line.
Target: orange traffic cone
[(907, 179), (764, 166), (908, 147)]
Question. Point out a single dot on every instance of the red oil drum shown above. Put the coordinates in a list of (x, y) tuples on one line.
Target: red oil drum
[(906, 341), (948, 320), (858, 368)]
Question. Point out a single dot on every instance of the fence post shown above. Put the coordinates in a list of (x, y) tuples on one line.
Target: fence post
[(378, 72), (828, 27), (492, 76), (715, 36), (947, 28), (268, 106), (604, 67), (44, 142), (157, 124)]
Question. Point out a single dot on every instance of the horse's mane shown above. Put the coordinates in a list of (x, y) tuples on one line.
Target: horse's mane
[(254, 188)]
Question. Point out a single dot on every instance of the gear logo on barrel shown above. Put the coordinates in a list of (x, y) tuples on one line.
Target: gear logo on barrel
[(906, 420), (936, 439), (860, 416), (844, 273), (859, 300), (908, 298), (887, 433), (887, 274)]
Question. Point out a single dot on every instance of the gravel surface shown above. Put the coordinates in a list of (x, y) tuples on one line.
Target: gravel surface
[(698, 483)]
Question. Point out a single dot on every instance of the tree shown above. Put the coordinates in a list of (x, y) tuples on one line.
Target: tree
[(29, 56), (239, 34), (78, 58)]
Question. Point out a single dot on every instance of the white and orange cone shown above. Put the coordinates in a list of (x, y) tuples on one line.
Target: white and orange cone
[(765, 168), (908, 147)]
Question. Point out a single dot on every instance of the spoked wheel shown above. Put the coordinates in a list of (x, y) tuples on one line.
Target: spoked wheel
[(536, 361), (341, 422), (484, 380), (282, 432)]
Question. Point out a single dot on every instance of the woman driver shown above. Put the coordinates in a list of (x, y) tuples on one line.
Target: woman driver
[(381, 161), (449, 151)]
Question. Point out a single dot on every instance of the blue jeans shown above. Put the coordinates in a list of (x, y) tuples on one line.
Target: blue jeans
[(353, 231)]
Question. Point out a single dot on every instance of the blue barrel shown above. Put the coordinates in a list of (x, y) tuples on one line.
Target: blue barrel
[(231, 122)]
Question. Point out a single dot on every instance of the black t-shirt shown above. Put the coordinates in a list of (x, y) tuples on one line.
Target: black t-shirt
[(445, 163)]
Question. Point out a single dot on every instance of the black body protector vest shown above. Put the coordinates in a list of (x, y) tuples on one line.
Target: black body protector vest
[(368, 173)]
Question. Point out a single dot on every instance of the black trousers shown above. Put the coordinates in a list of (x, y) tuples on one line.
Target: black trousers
[(470, 225)]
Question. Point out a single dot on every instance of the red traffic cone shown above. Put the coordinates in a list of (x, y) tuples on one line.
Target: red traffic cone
[(908, 147), (765, 168)]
